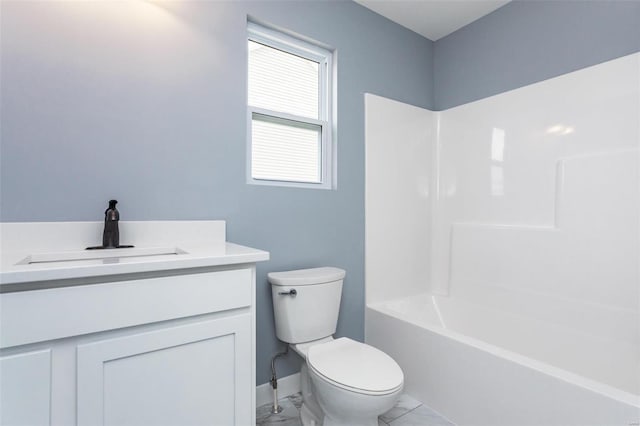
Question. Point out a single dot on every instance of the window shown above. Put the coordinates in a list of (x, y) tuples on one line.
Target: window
[(289, 111)]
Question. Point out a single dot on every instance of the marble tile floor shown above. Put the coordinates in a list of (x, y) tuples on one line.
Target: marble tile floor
[(407, 412)]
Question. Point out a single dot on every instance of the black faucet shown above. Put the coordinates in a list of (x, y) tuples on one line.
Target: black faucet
[(111, 234)]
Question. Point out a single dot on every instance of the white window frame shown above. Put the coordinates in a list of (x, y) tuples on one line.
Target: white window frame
[(324, 58)]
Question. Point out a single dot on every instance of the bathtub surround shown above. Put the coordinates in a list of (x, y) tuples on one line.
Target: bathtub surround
[(534, 234), (398, 186)]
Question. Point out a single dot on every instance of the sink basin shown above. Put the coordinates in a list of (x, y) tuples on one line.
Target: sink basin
[(74, 256)]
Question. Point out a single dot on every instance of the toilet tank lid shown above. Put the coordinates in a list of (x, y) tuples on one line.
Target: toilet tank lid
[(306, 276)]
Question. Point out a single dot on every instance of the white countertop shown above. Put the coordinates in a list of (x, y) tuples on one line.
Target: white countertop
[(199, 244)]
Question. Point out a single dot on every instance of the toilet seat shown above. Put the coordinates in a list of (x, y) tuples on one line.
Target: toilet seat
[(355, 366)]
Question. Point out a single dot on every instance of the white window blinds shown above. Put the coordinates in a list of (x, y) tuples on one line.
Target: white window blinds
[(289, 109)]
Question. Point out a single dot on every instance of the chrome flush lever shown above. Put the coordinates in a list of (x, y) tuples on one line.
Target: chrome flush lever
[(291, 292)]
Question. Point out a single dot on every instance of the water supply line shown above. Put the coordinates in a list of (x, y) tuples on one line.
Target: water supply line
[(274, 381)]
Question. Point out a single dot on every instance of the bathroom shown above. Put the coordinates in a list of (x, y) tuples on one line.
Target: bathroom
[(146, 102)]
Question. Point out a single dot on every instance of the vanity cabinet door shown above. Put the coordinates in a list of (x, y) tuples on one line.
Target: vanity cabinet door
[(25, 388), (194, 374)]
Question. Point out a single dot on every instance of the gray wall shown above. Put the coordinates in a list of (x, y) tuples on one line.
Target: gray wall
[(528, 41), (146, 102)]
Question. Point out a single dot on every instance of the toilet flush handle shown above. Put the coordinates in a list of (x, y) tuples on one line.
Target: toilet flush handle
[(291, 292)]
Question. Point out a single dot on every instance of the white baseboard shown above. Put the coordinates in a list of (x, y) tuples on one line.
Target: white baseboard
[(286, 386)]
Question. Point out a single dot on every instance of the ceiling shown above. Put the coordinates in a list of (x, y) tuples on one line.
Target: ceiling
[(433, 19)]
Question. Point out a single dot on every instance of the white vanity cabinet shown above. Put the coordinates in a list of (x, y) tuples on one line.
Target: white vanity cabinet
[(168, 347), (164, 350)]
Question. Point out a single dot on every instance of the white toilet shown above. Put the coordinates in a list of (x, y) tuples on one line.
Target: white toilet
[(344, 382)]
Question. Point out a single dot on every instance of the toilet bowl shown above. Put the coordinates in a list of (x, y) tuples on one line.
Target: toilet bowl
[(343, 382), (354, 382)]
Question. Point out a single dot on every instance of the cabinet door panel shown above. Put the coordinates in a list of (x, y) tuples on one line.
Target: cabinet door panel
[(25, 389), (195, 374)]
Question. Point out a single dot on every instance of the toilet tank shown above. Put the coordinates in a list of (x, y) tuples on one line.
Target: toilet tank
[(306, 303)]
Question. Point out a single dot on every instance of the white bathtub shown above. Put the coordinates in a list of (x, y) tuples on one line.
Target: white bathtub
[(478, 365)]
